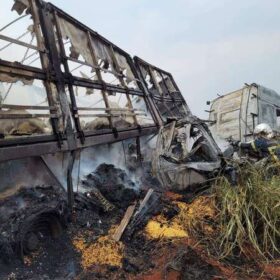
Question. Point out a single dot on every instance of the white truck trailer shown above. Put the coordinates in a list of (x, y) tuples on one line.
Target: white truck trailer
[(237, 113)]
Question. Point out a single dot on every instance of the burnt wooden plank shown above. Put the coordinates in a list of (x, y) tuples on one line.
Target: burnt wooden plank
[(125, 221)]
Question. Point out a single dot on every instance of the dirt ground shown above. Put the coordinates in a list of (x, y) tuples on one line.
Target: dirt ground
[(164, 247)]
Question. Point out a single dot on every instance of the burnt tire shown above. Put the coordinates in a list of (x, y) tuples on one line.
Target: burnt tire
[(38, 230)]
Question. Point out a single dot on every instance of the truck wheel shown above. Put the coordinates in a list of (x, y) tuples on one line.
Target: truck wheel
[(39, 229)]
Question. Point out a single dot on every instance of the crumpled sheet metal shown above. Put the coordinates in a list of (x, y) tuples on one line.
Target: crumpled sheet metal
[(102, 52), (78, 40), (169, 84), (20, 6), (122, 61), (144, 71), (181, 174), (199, 166), (177, 177)]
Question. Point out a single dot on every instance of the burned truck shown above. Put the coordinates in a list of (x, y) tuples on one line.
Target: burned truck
[(70, 100), (236, 114), (186, 153)]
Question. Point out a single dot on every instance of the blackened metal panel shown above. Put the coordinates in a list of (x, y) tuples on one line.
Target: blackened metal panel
[(38, 149)]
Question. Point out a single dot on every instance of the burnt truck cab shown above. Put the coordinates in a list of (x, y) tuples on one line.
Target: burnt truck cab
[(237, 113), (186, 154)]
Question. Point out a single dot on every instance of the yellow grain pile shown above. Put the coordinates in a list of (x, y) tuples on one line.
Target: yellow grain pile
[(197, 214), (190, 216), (105, 250), (159, 228)]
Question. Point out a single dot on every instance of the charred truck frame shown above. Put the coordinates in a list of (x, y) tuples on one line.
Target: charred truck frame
[(50, 27), (186, 153), (81, 109)]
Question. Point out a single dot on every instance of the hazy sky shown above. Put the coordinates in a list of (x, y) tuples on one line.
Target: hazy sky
[(210, 47)]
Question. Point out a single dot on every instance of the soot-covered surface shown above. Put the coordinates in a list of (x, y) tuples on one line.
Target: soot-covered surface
[(114, 184), (56, 259), (25, 211), (59, 258)]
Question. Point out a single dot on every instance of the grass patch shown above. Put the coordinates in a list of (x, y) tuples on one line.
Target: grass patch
[(249, 214)]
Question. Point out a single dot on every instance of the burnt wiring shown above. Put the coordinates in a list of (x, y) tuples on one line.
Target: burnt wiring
[(12, 22), (18, 38)]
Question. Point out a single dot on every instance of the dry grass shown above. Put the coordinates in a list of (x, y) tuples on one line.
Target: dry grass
[(249, 214)]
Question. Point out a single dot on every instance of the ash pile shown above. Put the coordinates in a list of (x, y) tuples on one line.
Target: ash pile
[(111, 183), (36, 221), (108, 195)]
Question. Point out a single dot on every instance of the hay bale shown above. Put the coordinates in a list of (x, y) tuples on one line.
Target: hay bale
[(22, 126)]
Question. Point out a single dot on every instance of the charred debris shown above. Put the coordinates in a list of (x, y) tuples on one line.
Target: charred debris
[(91, 142)]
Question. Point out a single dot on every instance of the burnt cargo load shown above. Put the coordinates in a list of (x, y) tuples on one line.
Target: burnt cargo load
[(236, 114)]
